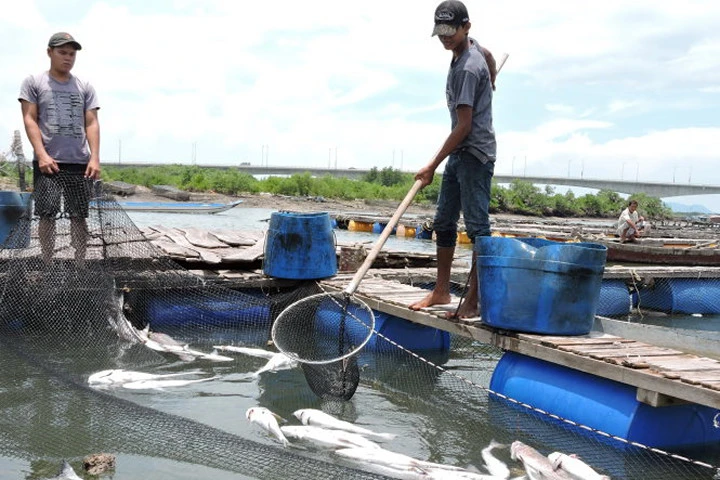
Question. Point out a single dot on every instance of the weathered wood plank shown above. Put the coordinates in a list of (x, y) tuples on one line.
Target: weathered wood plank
[(686, 362), (250, 254), (174, 250), (179, 238), (233, 238), (202, 238)]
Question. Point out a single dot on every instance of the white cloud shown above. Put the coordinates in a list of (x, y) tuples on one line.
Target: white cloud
[(601, 86)]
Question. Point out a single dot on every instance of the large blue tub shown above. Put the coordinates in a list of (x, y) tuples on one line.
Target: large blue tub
[(300, 246), (536, 285), (602, 404)]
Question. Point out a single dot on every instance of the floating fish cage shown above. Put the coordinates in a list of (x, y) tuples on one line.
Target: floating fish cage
[(605, 405)]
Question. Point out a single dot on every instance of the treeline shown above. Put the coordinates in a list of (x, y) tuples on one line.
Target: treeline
[(519, 197)]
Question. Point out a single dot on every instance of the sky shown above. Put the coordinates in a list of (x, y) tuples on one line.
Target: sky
[(612, 89)]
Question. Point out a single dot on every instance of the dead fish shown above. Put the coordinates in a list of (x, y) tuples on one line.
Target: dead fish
[(318, 418), (253, 352), (279, 361), (537, 466), (267, 420), (577, 469), (444, 474), (327, 438), (160, 384), (396, 460), (496, 467), (402, 473), (118, 376), (66, 473)]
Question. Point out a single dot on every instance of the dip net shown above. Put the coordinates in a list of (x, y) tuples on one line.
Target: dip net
[(126, 306)]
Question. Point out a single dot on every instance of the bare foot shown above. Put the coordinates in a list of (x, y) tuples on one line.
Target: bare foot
[(466, 310), (431, 299)]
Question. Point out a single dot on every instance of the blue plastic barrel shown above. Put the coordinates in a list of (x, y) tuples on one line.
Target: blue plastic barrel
[(226, 319), (602, 404), (614, 298), (681, 295), (411, 336), (536, 285), (300, 246), (378, 227), (15, 217), (424, 231)]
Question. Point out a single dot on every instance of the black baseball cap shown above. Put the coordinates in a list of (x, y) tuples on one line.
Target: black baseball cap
[(449, 15), (62, 38)]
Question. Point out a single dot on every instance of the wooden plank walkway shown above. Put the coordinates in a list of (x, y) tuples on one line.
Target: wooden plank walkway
[(662, 376), (236, 249)]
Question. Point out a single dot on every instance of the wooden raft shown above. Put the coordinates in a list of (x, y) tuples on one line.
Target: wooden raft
[(662, 376)]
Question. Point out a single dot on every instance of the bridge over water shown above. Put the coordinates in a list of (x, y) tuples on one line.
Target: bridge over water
[(655, 189)]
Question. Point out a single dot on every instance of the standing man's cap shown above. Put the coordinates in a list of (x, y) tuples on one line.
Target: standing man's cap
[(61, 38), (449, 15)]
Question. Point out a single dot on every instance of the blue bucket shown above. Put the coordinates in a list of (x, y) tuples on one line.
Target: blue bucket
[(539, 286), (15, 216), (602, 404), (300, 246)]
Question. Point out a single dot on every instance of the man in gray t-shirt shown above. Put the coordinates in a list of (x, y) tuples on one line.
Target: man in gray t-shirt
[(60, 115), (471, 149)]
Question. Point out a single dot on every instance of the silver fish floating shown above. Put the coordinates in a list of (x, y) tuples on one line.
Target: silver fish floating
[(327, 438), (120, 376), (577, 469), (404, 463), (318, 418), (279, 361), (496, 467), (253, 352), (268, 420), (162, 383), (537, 466)]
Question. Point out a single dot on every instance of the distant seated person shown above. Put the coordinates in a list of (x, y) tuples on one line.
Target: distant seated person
[(630, 223)]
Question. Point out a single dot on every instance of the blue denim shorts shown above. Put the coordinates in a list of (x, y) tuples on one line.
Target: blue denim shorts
[(466, 185)]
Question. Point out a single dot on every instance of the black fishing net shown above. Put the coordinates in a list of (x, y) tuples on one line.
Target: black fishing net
[(124, 305)]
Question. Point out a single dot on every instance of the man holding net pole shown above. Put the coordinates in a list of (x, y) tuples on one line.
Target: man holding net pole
[(471, 148), (60, 115)]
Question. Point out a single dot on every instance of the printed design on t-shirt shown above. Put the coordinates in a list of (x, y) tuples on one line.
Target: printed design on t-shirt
[(65, 114), (449, 96)]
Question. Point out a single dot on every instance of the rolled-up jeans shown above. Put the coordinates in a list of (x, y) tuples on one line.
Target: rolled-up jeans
[(466, 186)]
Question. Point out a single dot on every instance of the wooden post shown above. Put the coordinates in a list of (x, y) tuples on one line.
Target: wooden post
[(20, 159)]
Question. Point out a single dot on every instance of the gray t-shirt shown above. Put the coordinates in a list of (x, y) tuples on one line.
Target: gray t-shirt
[(468, 83), (61, 114)]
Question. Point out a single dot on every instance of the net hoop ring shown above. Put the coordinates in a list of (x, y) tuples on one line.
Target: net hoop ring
[(281, 323)]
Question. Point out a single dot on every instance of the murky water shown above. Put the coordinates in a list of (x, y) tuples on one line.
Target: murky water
[(441, 415)]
